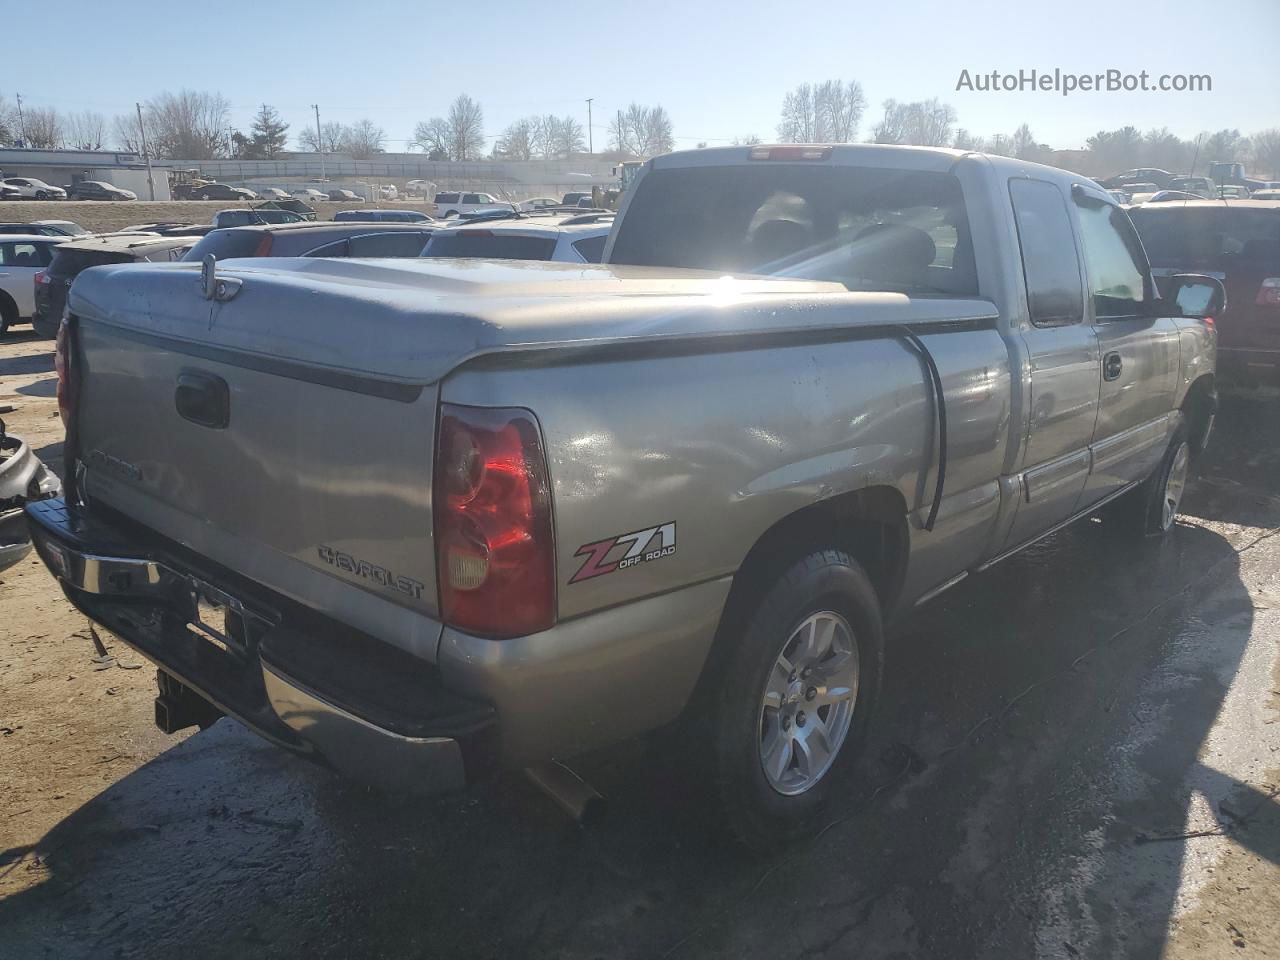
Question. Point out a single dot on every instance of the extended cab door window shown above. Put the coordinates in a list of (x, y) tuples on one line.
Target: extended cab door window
[(1116, 265), (1049, 262)]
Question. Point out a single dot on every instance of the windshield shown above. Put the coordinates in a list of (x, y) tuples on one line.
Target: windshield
[(867, 228)]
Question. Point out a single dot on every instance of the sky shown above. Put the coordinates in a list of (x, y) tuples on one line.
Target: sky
[(720, 67)]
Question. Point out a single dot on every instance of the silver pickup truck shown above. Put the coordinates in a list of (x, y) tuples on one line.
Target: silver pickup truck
[(426, 518)]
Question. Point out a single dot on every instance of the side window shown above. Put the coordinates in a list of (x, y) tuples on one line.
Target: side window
[(471, 198), (1113, 258), (6, 254), (1049, 262), (336, 249), (591, 248), (406, 244)]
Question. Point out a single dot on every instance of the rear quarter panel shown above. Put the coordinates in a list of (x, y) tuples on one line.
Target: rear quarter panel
[(724, 445)]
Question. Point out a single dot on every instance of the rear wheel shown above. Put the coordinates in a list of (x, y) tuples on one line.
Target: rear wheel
[(41, 195), (791, 706), (8, 313)]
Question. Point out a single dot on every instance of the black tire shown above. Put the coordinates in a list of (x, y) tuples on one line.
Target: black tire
[(8, 314), (44, 328), (1142, 511), (41, 195), (758, 813)]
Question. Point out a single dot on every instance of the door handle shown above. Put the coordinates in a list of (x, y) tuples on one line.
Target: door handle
[(1112, 366), (203, 399)]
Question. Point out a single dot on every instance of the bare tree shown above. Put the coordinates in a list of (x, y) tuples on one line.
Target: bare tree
[(750, 140), (964, 140), (799, 122), (188, 125), (516, 142), (1000, 145), (641, 131), (659, 133), (1266, 151), (8, 122), (925, 123), (1226, 145), (466, 128), (565, 137), (329, 140), (363, 139), (43, 128), (1023, 142), (433, 137), (125, 133), (85, 131)]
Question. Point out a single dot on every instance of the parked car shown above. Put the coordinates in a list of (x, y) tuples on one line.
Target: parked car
[(33, 229), (292, 204), (9, 193), (1119, 196), (522, 239), (1202, 185), (537, 203), (240, 217), (272, 193), (23, 479), (573, 199), (169, 229), (382, 216), (223, 191), (51, 284), (1268, 194), (21, 258), (514, 589), (98, 190), (344, 196), (1164, 196), (1233, 191), (1142, 175), (454, 204), (1141, 192), (1239, 243), (67, 228), (29, 188), (323, 238), (388, 191), (310, 195)]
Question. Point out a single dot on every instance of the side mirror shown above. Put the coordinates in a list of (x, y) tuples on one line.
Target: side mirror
[(1196, 295)]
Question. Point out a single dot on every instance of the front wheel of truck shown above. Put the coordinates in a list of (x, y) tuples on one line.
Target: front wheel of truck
[(795, 697)]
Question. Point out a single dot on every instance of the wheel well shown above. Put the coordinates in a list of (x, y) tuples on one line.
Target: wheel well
[(870, 524), (1198, 407)]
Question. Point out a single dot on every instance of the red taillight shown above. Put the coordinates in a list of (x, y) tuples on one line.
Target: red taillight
[(495, 558), (62, 365), (799, 152), (263, 249), (1269, 293), (42, 278)]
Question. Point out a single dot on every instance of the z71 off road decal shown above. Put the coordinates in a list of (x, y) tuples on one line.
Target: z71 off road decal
[(642, 546)]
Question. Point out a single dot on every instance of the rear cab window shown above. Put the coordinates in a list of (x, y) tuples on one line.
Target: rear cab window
[(865, 227), (1049, 262), (591, 249)]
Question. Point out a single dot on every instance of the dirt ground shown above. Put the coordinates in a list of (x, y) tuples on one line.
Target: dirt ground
[(1078, 755), (100, 216)]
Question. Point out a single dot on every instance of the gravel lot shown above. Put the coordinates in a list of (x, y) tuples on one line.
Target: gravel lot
[(1078, 755)]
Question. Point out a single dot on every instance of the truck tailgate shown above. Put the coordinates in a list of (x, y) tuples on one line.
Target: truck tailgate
[(317, 485)]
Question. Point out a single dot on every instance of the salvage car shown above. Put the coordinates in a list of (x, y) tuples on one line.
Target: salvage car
[(240, 217), (51, 283), (223, 191), (22, 258), (98, 190), (523, 239), (23, 479), (315, 239), (29, 188), (1237, 242), (545, 507)]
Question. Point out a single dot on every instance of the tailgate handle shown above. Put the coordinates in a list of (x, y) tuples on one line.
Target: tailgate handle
[(203, 398)]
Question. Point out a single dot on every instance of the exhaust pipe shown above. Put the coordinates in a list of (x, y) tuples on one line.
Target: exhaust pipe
[(573, 794)]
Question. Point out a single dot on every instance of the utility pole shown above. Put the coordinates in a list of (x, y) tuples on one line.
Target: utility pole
[(22, 123), (591, 142), (319, 139), (146, 154)]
